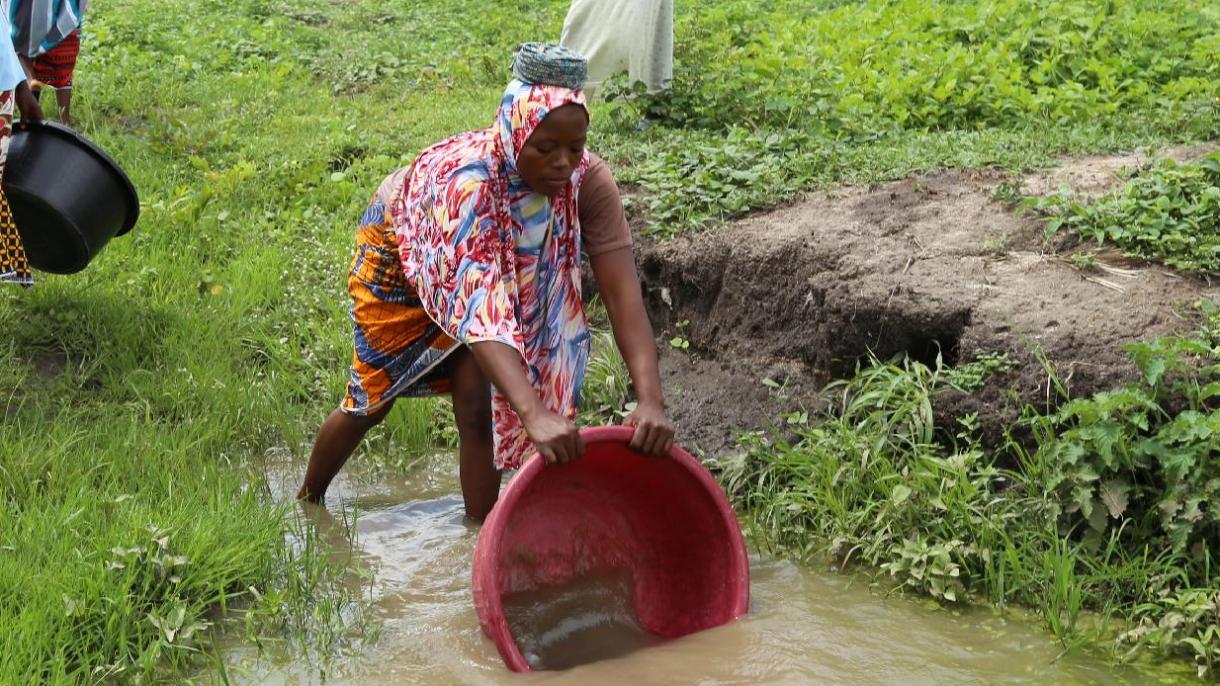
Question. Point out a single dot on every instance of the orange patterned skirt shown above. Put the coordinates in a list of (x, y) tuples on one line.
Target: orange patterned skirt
[(398, 351)]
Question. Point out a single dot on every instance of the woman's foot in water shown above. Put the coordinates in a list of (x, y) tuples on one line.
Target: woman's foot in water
[(337, 439)]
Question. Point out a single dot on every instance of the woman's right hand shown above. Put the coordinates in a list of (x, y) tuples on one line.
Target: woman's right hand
[(556, 439)]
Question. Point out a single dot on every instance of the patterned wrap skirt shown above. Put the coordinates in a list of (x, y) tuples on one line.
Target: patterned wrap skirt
[(398, 351), (55, 67), (14, 267)]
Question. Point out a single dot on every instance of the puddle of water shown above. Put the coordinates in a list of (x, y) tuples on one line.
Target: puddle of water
[(804, 627)]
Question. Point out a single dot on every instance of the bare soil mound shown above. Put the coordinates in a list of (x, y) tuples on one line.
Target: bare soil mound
[(930, 265)]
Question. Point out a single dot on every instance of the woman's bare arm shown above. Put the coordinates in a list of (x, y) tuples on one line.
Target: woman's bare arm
[(619, 285)]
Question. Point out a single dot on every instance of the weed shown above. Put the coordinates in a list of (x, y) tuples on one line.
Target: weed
[(972, 375), (1104, 481), (1169, 213), (1143, 452), (1065, 598), (1185, 622), (443, 431), (1085, 262), (1009, 192), (606, 397), (775, 389)]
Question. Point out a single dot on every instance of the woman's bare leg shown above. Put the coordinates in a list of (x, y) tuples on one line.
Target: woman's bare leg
[(472, 414), (337, 439), (63, 98)]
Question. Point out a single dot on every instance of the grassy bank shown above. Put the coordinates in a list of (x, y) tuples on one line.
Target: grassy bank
[(1105, 503), (141, 393)]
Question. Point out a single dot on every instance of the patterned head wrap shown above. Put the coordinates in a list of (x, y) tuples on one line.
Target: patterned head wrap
[(551, 65), (492, 260)]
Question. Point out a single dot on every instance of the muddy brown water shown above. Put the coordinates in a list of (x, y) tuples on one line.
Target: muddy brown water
[(579, 623), (805, 626)]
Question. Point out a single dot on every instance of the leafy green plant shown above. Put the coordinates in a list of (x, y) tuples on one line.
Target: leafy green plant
[(1085, 262), (868, 483), (691, 177), (863, 81), (972, 375), (1145, 452), (443, 432), (1186, 623), (1170, 213), (925, 567), (941, 64), (606, 397), (1110, 507), (1009, 192)]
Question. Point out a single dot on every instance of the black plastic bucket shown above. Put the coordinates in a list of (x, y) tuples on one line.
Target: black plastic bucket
[(68, 197)]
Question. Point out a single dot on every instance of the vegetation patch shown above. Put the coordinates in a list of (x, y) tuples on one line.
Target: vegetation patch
[(771, 100), (1170, 213), (1111, 506)]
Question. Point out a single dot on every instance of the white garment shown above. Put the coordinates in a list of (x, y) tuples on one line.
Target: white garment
[(636, 36), (11, 71)]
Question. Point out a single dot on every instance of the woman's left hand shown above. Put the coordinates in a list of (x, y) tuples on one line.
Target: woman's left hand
[(654, 432), (31, 109)]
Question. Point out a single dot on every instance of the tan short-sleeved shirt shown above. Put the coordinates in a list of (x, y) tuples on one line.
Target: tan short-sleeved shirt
[(603, 223)]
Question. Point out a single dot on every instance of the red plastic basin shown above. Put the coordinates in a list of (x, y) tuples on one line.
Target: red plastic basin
[(664, 522)]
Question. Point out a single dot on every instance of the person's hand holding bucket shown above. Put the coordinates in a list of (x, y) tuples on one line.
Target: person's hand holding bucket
[(556, 439), (654, 432)]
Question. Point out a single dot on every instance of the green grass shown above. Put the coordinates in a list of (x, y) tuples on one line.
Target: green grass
[(123, 536), (143, 391)]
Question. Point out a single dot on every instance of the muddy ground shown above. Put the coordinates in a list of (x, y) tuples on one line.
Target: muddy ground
[(928, 265)]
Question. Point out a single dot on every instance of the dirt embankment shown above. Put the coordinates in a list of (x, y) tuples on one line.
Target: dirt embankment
[(928, 265)]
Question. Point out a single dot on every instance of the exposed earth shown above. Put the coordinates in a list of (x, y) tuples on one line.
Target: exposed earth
[(932, 264)]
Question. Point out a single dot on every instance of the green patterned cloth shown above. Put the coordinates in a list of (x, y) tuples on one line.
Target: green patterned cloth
[(549, 64)]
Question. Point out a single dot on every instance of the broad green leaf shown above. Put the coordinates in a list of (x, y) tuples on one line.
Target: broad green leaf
[(1114, 494)]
